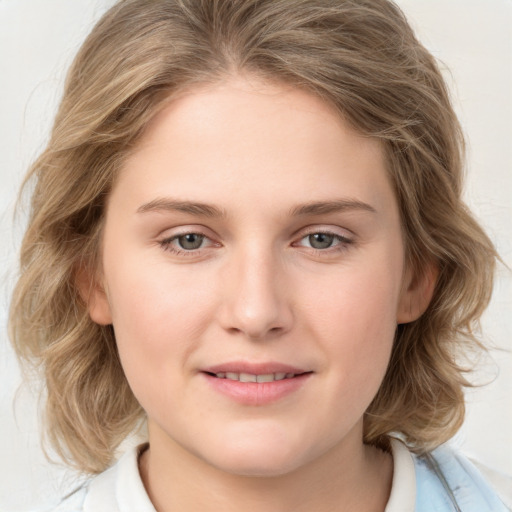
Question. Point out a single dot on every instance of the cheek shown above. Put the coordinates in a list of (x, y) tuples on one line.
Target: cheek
[(358, 303), (356, 321), (158, 319)]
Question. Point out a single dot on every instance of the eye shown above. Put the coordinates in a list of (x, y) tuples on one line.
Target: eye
[(322, 241), (190, 241), (186, 243)]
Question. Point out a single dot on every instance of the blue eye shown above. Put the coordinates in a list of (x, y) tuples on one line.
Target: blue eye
[(321, 240), (185, 243), (190, 241), (324, 240)]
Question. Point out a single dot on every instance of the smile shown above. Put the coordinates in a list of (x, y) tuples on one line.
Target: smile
[(249, 377), (256, 384)]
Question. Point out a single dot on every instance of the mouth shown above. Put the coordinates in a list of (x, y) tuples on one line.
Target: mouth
[(251, 377), (256, 384)]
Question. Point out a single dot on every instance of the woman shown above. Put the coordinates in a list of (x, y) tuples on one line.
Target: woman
[(247, 231)]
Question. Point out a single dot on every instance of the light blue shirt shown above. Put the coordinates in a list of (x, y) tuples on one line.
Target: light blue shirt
[(447, 481)]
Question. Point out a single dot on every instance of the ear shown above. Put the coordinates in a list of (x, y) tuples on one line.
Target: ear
[(94, 296), (417, 291)]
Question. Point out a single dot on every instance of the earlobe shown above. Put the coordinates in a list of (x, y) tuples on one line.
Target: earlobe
[(94, 296), (417, 293)]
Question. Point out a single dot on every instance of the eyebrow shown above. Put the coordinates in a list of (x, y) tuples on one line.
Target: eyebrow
[(334, 206), (211, 211), (192, 208)]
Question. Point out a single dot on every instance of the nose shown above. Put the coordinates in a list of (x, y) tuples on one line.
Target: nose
[(255, 299)]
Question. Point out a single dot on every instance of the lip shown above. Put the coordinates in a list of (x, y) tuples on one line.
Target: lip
[(254, 368), (255, 393)]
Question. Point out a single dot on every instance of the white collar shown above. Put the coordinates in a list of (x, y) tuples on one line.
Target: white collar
[(403, 487), (120, 488)]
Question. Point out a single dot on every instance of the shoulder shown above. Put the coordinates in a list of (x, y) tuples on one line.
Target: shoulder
[(446, 480), (117, 489)]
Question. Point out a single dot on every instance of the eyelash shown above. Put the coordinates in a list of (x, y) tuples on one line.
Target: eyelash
[(166, 244), (343, 243)]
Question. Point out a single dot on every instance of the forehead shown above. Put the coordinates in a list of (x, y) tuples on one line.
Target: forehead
[(249, 140)]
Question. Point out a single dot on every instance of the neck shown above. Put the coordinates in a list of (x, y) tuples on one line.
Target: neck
[(352, 476)]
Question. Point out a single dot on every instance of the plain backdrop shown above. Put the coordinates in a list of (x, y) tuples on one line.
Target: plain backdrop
[(472, 39)]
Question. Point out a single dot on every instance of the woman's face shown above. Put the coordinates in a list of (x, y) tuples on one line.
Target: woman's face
[(253, 236)]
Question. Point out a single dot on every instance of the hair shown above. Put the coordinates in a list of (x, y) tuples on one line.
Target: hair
[(359, 56)]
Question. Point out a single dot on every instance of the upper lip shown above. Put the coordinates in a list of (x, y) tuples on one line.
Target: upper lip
[(254, 368)]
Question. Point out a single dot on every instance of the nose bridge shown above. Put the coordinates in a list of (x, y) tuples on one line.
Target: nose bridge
[(255, 302)]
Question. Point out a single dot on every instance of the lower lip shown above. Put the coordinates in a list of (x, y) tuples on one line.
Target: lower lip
[(257, 393)]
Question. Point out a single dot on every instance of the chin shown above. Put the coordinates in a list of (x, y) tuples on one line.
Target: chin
[(259, 468), (266, 460)]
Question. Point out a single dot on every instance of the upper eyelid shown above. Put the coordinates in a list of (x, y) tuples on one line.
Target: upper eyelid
[(186, 230), (309, 230), (167, 243), (342, 240), (298, 234)]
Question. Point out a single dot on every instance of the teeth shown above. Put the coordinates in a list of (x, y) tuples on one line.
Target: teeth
[(268, 377), (249, 377)]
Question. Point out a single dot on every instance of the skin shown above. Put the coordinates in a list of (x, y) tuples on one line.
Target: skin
[(255, 291)]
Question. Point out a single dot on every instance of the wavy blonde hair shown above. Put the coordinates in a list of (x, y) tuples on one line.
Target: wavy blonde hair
[(362, 58)]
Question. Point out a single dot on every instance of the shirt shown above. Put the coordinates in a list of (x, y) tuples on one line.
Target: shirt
[(441, 481)]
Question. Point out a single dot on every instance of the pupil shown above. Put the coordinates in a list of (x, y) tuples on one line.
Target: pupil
[(190, 241), (321, 240)]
